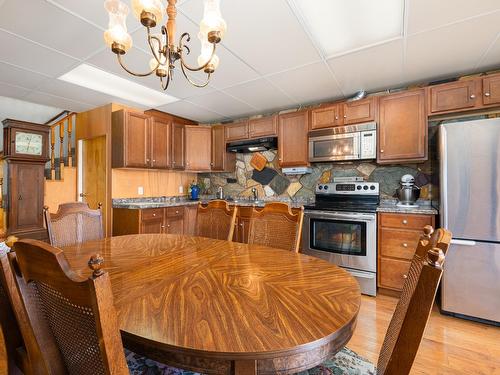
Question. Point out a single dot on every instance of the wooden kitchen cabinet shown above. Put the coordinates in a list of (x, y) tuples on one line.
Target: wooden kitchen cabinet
[(263, 127), (237, 131), (402, 127), (398, 236), (292, 139), (222, 161), (454, 97), (160, 132), (169, 220), (491, 89), (177, 145), (130, 139), (359, 111), (326, 117), (242, 224), (198, 148), (151, 221), (190, 214)]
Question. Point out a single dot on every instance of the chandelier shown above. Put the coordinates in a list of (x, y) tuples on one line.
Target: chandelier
[(165, 53)]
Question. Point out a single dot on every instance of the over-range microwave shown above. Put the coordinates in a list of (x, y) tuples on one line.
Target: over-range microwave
[(351, 142)]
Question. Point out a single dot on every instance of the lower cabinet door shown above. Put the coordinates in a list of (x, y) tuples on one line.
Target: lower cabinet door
[(393, 273), (152, 225), (175, 225)]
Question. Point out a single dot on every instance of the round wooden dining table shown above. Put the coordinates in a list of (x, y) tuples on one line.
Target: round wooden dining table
[(224, 307)]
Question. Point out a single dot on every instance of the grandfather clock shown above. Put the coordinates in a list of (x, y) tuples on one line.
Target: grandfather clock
[(25, 152)]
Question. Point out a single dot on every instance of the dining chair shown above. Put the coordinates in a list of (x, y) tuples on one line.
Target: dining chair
[(216, 220), (72, 318), (276, 226), (410, 317), (73, 223)]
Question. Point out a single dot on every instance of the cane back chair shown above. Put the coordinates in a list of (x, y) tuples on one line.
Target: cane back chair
[(216, 220)]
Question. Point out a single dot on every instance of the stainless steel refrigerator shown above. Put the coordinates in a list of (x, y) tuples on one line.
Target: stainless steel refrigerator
[(470, 208)]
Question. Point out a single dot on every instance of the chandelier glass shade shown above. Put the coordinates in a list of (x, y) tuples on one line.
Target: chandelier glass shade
[(165, 52)]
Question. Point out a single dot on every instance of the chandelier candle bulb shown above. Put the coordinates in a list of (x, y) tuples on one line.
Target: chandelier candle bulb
[(116, 36), (148, 12), (212, 23)]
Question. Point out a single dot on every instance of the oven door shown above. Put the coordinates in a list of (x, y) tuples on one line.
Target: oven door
[(346, 239), (334, 147)]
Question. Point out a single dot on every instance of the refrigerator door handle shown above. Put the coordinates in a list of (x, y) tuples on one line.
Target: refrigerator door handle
[(463, 242)]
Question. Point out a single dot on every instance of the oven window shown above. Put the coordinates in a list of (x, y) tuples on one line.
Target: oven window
[(334, 147), (338, 236)]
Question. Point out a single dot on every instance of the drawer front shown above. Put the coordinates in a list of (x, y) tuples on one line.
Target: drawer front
[(398, 243), (175, 211), (152, 213), (393, 273), (405, 221)]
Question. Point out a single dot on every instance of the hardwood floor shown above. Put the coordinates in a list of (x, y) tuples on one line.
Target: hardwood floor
[(450, 345)]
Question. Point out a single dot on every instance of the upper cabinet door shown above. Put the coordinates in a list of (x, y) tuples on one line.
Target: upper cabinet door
[(222, 161), (325, 117), (491, 89), (198, 147), (160, 143), (263, 127), (177, 145), (292, 139), (452, 97), (130, 139), (402, 127), (359, 111), (237, 132)]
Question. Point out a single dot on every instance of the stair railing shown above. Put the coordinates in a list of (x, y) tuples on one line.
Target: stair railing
[(63, 128)]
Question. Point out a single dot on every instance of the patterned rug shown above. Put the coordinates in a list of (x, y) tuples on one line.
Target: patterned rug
[(345, 362)]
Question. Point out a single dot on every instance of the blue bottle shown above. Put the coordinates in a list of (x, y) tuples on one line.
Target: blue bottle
[(195, 192)]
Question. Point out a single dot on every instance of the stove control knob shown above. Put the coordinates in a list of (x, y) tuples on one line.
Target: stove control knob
[(358, 187), (325, 187), (320, 187), (372, 187), (365, 187)]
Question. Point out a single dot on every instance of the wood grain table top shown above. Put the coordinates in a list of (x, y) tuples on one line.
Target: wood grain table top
[(231, 300)]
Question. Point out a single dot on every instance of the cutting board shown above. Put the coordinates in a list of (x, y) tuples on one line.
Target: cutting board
[(258, 161)]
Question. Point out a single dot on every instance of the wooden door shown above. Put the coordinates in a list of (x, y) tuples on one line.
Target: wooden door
[(263, 127), (451, 97), (292, 139), (177, 146), (190, 213), (198, 147), (175, 225), (218, 148), (237, 132), (491, 90), (359, 111), (325, 117), (402, 127), (26, 182), (160, 143), (136, 140)]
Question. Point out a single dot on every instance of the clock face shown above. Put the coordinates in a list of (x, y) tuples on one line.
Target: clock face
[(29, 143)]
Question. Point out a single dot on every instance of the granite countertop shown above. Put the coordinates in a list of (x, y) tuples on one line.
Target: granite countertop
[(424, 208)]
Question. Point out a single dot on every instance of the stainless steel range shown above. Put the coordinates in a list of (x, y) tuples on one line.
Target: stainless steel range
[(341, 227)]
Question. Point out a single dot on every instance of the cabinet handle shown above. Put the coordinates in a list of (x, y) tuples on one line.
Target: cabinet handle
[(154, 161), (241, 224), (405, 245), (173, 162), (147, 160), (168, 225), (486, 94), (473, 96), (345, 116), (381, 151), (405, 276), (176, 212), (163, 226), (154, 214), (405, 221), (336, 117)]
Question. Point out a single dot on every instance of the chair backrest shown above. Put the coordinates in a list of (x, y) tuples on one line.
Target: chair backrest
[(276, 226), (216, 220), (72, 318), (73, 223), (414, 307)]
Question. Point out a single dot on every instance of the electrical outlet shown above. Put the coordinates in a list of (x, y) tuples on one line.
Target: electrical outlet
[(140, 190), (181, 189)]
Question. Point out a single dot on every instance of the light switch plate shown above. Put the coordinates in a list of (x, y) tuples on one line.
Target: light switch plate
[(140, 190), (181, 189)]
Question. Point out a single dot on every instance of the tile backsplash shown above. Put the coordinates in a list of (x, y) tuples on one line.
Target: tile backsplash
[(270, 182)]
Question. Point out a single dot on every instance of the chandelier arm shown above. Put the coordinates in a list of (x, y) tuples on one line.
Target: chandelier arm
[(192, 82), (155, 53), (135, 74), (165, 86), (183, 62)]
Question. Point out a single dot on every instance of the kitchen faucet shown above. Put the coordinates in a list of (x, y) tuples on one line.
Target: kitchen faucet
[(254, 192)]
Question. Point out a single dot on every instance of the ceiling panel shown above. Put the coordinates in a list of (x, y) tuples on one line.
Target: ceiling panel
[(451, 50), (491, 60), (429, 14), (12, 91), (50, 26), (265, 34), (262, 95), (57, 101), (224, 104), (20, 77), (191, 111), (31, 56), (370, 69), (26, 111), (308, 84)]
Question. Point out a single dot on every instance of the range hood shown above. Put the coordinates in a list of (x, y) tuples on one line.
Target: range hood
[(253, 145)]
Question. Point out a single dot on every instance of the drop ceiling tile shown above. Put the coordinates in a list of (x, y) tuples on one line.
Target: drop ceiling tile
[(25, 54), (451, 50), (51, 26), (57, 101), (224, 104), (191, 111), (262, 95), (308, 84), (20, 77), (370, 69), (12, 91), (428, 14), (492, 59), (265, 34)]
